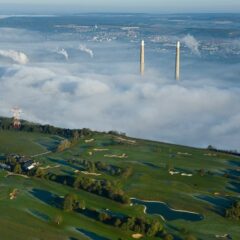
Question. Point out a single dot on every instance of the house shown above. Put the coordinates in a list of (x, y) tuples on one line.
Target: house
[(5, 166), (28, 165)]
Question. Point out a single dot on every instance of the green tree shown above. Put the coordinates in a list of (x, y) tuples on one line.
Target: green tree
[(169, 165), (70, 202), (190, 237), (82, 204), (91, 167), (58, 219), (103, 216), (76, 135), (154, 228), (127, 172), (39, 173), (168, 237), (234, 211), (117, 222)]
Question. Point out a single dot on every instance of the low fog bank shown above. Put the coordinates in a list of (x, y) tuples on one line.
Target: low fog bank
[(78, 84)]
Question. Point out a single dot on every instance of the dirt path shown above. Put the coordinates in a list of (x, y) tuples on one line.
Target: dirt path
[(15, 174), (48, 167), (41, 154)]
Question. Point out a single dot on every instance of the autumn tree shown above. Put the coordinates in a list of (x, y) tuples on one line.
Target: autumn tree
[(65, 144)]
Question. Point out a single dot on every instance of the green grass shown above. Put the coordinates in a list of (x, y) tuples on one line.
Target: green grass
[(26, 143), (150, 180)]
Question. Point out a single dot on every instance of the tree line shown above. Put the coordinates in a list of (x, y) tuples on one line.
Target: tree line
[(103, 188), (234, 211), (110, 169), (231, 152), (148, 227), (6, 124)]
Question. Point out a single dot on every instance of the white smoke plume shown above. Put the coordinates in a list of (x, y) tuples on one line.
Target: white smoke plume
[(63, 52), (17, 57), (83, 48), (192, 43)]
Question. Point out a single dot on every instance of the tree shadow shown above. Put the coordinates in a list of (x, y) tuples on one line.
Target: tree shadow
[(234, 186), (39, 215), (65, 163), (47, 197), (219, 203), (91, 235), (88, 213), (173, 229), (151, 165), (234, 163)]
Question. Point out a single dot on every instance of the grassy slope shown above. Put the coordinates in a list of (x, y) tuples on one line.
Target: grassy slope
[(150, 180), (26, 143)]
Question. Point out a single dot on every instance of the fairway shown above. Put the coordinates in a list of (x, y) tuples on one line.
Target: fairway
[(27, 143)]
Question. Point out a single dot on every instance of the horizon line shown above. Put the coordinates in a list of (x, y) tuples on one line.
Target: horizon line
[(70, 12)]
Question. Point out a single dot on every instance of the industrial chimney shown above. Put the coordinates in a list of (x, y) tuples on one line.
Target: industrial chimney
[(177, 72), (142, 58)]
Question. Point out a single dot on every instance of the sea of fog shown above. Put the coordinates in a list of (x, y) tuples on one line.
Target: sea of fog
[(83, 71)]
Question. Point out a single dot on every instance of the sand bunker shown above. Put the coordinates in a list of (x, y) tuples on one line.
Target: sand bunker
[(48, 167), (89, 173), (126, 140), (185, 154), (89, 140), (137, 235), (100, 149), (116, 156), (182, 174)]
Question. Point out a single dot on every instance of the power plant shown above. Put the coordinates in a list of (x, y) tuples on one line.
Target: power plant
[(142, 58), (177, 70)]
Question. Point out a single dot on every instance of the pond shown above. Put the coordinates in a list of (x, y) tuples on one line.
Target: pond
[(167, 213)]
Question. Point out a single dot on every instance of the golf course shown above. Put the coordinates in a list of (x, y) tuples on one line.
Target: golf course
[(185, 191)]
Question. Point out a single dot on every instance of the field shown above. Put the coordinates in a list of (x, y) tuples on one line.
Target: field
[(206, 183)]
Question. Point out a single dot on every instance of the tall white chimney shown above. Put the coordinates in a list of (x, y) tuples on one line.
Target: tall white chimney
[(177, 71), (142, 58)]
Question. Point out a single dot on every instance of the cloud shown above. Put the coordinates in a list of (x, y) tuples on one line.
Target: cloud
[(83, 48), (17, 57), (105, 92), (192, 43), (19, 35), (154, 108)]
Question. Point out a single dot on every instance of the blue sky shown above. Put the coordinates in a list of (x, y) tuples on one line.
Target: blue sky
[(122, 6)]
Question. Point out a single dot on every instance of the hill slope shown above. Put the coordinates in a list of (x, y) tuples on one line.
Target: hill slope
[(189, 179)]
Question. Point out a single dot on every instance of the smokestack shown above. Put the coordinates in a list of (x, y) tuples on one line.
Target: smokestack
[(177, 73), (142, 57)]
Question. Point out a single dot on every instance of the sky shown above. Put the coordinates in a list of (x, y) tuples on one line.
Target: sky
[(159, 6)]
